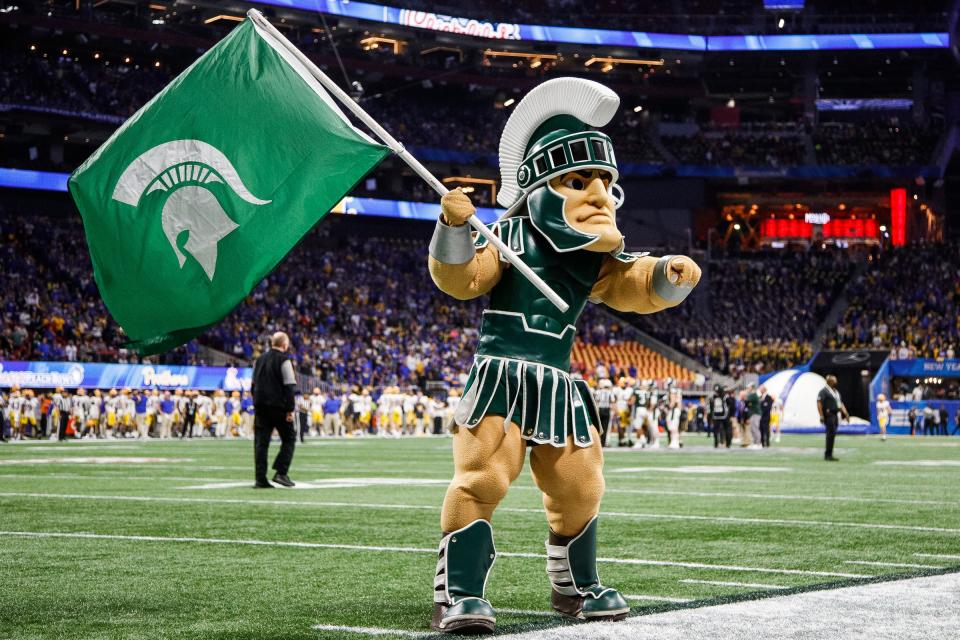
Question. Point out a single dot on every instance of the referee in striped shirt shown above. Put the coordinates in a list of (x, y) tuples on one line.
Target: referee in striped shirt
[(606, 397)]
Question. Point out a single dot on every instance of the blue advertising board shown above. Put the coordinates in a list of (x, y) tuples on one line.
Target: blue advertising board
[(95, 375)]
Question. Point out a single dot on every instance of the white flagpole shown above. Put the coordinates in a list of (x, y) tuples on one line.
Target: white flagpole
[(398, 148)]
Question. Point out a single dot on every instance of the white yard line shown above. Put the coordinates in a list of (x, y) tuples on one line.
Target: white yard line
[(901, 565), (777, 496), (919, 463), (356, 547), (720, 583), (525, 612), (655, 598), (372, 631), (403, 507), (944, 556)]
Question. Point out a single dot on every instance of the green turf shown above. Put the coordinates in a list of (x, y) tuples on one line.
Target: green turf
[(95, 588)]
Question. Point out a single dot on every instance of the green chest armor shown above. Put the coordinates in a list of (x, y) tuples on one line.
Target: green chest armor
[(520, 322), (521, 369)]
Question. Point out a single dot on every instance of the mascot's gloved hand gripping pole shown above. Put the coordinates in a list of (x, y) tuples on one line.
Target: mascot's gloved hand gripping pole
[(559, 184)]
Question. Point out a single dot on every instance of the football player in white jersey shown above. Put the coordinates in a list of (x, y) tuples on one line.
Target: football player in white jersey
[(220, 413), (315, 402), (31, 412), (91, 424), (80, 407), (128, 414), (15, 412), (883, 415), (153, 408)]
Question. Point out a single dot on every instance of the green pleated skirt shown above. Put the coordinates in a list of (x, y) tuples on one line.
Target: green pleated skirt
[(544, 401)]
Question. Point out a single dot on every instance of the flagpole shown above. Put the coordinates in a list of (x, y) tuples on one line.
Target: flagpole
[(397, 147)]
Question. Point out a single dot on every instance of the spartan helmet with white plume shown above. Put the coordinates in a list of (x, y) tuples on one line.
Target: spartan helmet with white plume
[(184, 168), (550, 133)]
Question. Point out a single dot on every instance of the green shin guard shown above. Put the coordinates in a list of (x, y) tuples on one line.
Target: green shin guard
[(465, 559), (577, 592)]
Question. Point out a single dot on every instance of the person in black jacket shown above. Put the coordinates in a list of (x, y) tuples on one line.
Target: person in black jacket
[(766, 406), (720, 418), (831, 409), (273, 386)]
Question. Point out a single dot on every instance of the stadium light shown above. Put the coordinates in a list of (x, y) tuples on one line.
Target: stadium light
[(613, 61), (223, 17), (508, 102), (638, 108)]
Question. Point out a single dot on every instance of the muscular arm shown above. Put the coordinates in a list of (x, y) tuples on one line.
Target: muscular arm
[(642, 286), (456, 267), (469, 279)]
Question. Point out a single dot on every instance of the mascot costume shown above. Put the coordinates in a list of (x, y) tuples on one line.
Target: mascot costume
[(559, 184)]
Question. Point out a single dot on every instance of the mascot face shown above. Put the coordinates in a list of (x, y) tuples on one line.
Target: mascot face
[(589, 208)]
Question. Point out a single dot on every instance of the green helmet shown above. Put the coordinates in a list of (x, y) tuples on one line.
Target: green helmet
[(548, 134)]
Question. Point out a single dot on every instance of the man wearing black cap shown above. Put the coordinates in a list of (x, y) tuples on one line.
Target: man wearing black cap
[(273, 387), (831, 408)]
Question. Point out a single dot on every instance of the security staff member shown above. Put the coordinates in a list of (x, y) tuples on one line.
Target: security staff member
[(605, 400), (273, 387), (720, 417), (766, 408), (830, 408)]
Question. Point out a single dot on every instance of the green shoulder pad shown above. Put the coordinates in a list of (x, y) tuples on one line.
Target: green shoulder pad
[(627, 257), (509, 230)]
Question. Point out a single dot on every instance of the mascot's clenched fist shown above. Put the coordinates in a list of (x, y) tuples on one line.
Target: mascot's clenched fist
[(559, 184)]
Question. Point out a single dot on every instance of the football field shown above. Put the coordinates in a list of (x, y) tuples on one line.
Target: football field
[(129, 539)]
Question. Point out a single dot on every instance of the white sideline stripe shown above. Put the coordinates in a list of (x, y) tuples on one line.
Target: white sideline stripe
[(372, 631), (357, 547), (902, 565), (915, 609), (721, 583), (656, 598), (944, 556), (401, 507)]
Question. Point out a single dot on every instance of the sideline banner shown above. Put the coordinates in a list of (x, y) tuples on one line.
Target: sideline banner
[(95, 375)]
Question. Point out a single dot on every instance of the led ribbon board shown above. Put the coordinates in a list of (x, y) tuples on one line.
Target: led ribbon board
[(48, 181), (481, 28)]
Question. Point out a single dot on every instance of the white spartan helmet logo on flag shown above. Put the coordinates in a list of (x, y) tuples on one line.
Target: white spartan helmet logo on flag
[(183, 168)]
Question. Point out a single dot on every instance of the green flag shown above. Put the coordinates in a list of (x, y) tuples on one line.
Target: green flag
[(203, 191)]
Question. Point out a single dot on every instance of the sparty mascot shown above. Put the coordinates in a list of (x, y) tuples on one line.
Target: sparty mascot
[(559, 185)]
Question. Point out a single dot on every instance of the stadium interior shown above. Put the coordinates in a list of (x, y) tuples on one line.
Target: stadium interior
[(806, 155)]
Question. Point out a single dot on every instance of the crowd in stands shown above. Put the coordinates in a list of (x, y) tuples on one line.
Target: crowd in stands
[(459, 120), (759, 313), (907, 301), (886, 142), (776, 146), (358, 309)]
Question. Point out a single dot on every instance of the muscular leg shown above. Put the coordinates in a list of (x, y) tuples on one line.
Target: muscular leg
[(571, 480), (486, 460)]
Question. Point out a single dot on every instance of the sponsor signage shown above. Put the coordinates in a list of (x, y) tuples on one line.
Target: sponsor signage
[(921, 368), (95, 375)]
